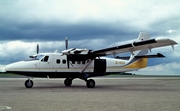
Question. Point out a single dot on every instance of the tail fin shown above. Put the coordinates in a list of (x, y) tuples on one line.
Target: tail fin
[(139, 62), (142, 36)]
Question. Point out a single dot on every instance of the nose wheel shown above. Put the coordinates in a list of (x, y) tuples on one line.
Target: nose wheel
[(28, 83)]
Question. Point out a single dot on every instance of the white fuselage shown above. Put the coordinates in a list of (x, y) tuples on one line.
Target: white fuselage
[(57, 63)]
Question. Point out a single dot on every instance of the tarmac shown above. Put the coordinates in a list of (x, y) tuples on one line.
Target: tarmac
[(109, 94)]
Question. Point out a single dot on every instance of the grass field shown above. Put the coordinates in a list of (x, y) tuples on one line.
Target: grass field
[(9, 75)]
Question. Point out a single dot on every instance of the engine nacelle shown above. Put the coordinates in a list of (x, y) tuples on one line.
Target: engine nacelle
[(134, 43), (75, 51)]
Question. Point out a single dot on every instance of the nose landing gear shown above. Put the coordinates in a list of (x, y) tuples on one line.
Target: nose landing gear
[(28, 83)]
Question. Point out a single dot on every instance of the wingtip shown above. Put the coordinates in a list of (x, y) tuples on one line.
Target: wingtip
[(164, 39)]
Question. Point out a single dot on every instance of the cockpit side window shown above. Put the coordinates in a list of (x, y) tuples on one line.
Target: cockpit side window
[(45, 59)]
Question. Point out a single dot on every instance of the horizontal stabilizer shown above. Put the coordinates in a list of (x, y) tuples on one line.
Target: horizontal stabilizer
[(158, 55)]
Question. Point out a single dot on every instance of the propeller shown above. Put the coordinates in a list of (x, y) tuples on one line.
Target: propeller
[(37, 49), (66, 45)]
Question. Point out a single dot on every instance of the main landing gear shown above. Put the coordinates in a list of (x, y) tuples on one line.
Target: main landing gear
[(89, 83), (68, 81)]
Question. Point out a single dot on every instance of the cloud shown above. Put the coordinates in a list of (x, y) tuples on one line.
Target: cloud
[(2, 68), (51, 20), (161, 69), (12, 51)]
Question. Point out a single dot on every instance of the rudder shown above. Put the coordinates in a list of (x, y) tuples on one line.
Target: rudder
[(143, 36)]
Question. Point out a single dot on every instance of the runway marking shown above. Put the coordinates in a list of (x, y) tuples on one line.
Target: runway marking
[(5, 107)]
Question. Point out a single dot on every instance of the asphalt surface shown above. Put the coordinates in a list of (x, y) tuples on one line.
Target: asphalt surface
[(110, 94)]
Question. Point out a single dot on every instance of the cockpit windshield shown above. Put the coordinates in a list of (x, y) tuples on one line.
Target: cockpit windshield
[(36, 57), (39, 57)]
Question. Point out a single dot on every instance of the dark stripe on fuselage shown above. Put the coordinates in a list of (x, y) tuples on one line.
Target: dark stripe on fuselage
[(58, 74)]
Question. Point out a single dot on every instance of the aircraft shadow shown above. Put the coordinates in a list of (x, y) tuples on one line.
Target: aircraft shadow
[(129, 87)]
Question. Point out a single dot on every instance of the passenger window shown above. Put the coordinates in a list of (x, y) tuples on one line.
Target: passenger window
[(58, 61), (78, 62), (64, 61), (45, 59), (73, 62), (83, 62)]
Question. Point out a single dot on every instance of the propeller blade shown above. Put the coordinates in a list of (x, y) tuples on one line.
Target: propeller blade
[(66, 45), (66, 42), (68, 61), (37, 48)]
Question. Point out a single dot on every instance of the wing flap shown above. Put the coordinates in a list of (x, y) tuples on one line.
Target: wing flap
[(137, 45)]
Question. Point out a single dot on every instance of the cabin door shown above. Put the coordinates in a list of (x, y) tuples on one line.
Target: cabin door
[(100, 66)]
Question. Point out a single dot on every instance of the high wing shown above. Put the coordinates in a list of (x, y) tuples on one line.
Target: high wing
[(136, 45), (143, 42)]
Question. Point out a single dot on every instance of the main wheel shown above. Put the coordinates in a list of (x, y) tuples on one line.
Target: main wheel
[(28, 83), (68, 82), (90, 83)]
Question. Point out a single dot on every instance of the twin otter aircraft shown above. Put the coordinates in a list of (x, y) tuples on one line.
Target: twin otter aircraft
[(83, 63)]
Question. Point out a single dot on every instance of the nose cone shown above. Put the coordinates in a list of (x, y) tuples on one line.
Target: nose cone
[(10, 67), (17, 66), (21, 66)]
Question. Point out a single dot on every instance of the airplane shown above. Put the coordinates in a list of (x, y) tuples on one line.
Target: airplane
[(84, 63)]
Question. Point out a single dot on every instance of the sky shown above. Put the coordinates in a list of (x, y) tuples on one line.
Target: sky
[(91, 24)]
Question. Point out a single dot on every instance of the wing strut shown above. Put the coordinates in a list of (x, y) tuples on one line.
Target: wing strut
[(173, 47), (85, 67), (150, 47)]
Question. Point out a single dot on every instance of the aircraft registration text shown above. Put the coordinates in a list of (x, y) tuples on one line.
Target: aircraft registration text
[(120, 62)]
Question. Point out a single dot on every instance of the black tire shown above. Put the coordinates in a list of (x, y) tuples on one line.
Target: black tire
[(90, 83), (68, 82), (28, 83)]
